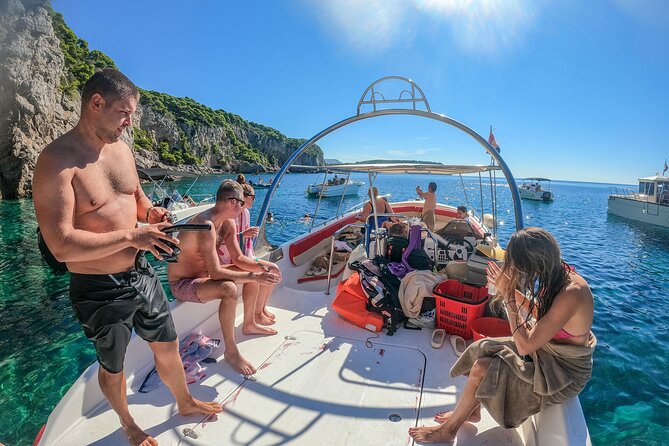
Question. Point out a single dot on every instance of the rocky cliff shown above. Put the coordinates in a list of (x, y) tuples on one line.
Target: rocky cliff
[(42, 67), (33, 110)]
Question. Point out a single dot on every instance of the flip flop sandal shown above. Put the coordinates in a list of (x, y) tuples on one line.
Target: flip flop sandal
[(311, 271), (438, 336), (459, 345), (320, 272)]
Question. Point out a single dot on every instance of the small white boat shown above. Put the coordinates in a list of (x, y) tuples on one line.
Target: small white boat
[(648, 204), (531, 189), (329, 189), (170, 197), (322, 380)]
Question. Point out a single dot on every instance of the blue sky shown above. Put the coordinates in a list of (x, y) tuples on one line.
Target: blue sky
[(576, 90)]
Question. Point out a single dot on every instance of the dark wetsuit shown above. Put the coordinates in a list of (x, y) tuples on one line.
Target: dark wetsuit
[(109, 306)]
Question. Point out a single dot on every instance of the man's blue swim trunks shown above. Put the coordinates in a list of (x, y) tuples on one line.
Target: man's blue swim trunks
[(109, 306)]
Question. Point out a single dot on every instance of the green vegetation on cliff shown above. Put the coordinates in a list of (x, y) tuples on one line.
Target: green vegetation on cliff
[(81, 63)]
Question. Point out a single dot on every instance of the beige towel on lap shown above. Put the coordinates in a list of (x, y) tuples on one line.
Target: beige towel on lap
[(513, 390)]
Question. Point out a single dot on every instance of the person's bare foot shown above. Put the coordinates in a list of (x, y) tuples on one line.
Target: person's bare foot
[(262, 319), (197, 406), (137, 437), (267, 313), (442, 417), (431, 434), (255, 329), (238, 363)]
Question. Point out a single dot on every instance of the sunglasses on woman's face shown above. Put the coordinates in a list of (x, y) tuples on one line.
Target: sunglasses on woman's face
[(252, 197)]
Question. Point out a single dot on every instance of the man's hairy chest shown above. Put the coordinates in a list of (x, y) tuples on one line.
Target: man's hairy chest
[(101, 183)]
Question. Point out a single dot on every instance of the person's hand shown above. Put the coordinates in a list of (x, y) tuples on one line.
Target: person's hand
[(493, 273), (151, 237), (158, 214), (273, 268), (251, 232), (266, 278)]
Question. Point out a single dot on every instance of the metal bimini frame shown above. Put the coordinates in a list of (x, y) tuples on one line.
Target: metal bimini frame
[(419, 107)]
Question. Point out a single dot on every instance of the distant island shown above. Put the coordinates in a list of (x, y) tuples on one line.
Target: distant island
[(395, 162)]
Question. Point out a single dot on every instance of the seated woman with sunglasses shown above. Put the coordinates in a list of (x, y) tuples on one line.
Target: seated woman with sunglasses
[(548, 358)]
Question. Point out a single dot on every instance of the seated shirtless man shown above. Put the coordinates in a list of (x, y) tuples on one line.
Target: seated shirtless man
[(87, 202), (232, 235), (199, 276)]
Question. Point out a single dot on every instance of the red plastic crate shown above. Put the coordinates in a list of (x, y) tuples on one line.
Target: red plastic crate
[(458, 304)]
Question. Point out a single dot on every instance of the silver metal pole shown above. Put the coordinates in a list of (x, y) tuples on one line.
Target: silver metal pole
[(481, 192), (343, 194), (320, 197)]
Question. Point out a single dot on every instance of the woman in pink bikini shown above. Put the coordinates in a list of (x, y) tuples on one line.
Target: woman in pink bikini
[(548, 358), (239, 252)]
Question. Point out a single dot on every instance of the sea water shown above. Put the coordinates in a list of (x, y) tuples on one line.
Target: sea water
[(43, 350)]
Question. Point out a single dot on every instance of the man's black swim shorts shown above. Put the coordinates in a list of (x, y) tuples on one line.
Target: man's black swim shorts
[(109, 306)]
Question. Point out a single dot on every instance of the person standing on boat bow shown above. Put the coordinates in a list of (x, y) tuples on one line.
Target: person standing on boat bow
[(88, 201), (548, 358), (429, 205)]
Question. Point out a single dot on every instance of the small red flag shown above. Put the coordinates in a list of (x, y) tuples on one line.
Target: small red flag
[(493, 142)]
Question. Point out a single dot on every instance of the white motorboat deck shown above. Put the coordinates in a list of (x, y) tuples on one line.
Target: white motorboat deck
[(320, 380)]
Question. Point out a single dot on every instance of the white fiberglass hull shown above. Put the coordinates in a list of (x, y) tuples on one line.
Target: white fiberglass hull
[(643, 211), (320, 381), (536, 196), (334, 191)]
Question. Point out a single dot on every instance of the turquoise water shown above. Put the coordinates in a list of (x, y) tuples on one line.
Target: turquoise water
[(42, 349)]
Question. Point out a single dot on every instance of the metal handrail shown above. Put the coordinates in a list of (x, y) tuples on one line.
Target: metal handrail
[(334, 237)]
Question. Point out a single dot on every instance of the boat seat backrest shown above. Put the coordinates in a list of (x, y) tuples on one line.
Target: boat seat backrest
[(457, 229), (307, 248)]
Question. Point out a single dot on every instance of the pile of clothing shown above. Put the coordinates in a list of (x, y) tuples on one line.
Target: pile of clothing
[(194, 349)]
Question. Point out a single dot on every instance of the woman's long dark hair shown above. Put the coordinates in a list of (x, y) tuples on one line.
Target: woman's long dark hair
[(533, 264)]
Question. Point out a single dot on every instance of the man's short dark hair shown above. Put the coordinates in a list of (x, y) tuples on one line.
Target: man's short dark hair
[(432, 187), (229, 189), (109, 83), (462, 209)]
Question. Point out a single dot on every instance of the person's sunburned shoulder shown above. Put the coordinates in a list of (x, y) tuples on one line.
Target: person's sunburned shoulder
[(60, 151), (578, 288)]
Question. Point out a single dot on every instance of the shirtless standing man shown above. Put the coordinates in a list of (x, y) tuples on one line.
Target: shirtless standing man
[(430, 204), (88, 201), (199, 276)]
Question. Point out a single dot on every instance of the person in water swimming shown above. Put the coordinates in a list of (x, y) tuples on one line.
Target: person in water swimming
[(88, 201), (550, 310)]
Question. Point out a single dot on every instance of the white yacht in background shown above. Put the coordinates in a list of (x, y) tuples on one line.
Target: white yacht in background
[(649, 204)]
